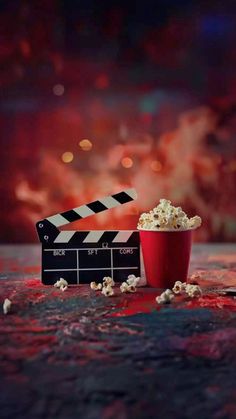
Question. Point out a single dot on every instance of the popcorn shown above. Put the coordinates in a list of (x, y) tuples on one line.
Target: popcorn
[(62, 284), (193, 290), (136, 281), (6, 306), (63, 288), (131, 288), (130, 285), (107, 280), (108, 291), (124, 287), (195, 277), (195, 222), (94, 286), (179, 287), (167, 217), (165, 297)]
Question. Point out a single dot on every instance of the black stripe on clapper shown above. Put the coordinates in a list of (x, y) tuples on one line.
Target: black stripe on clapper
[(107, 237), (122, 197), (79, 236), (71, 216), (97, 206), (77, 239)]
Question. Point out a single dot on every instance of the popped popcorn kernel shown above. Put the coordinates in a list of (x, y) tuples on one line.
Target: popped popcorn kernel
[(136, 281), (179, 287), (61, 282), (107, 280), (131, 288), (167, 217), (166, 297), (94, 286), (128, 286), (195, 222), (193, 290), (6, 306), (124, 287), (108, 291), (195, 277)]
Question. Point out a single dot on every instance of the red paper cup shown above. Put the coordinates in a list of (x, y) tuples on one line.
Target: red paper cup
[(166, 256)]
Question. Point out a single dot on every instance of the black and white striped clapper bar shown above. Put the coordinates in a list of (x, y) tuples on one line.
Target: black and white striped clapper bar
[(84, 256)]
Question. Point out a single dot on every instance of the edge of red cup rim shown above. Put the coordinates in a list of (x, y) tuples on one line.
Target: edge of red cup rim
[(167, 230)]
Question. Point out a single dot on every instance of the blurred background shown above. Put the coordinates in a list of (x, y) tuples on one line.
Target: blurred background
[(97, 96)]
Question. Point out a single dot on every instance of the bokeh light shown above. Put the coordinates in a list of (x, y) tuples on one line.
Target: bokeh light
[(67, 157), (157, 116), (85, 145), (58, 89), (156, 166), (127, 162)]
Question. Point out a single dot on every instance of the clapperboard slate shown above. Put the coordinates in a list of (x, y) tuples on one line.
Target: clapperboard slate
[(84, 256)]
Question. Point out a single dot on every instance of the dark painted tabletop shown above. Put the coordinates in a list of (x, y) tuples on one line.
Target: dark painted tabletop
[(81, 355)]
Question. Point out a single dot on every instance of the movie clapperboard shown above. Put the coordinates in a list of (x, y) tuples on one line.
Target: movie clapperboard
[(84, 256)]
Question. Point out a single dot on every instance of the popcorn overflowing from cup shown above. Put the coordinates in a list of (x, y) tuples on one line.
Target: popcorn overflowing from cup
[(166, 217)]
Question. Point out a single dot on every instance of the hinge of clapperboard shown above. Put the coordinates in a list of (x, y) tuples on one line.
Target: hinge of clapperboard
[(48, 231)]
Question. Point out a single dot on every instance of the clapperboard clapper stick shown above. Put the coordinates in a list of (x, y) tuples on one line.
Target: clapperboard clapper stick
[(84, 256)]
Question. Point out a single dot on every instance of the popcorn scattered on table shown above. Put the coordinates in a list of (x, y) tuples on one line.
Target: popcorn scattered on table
[(108, 281), (96, 287), (136, 281), (193, 290), (62, 284), (167, 217), (195, 277), (165, 298), (131, 283), (126, 287), (107, 284), (6, 306), (108, 291), (179, 287)]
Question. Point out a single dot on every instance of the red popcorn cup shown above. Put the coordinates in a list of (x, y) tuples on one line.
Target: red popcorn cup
[(166, 256)]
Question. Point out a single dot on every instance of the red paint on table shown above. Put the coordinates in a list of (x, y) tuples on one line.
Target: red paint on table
[(142, 301), (212, 301), (212, 345)]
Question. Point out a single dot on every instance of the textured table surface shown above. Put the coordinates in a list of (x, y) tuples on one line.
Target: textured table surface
[(78, 354)]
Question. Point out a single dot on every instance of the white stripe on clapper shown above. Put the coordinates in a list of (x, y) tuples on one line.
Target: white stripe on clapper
[(122, 236), (64, 236), (131, 192), (84, 211), (57, 220), (93, 236), (109, 202)]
